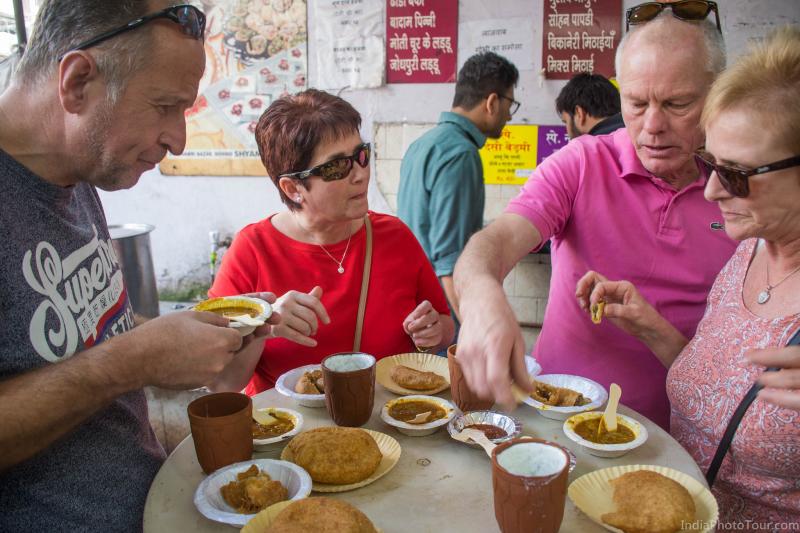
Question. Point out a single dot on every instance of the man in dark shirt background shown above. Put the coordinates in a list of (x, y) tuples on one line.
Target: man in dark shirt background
[(589, 103)]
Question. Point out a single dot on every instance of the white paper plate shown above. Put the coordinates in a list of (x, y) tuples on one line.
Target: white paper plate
[(287, 381), (209, 501), (419, 430), (593, 494), (424, 362), (276, 442), (605, 450), (590, 389)]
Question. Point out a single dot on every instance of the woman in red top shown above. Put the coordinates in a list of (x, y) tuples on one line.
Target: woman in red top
[(313, 254)]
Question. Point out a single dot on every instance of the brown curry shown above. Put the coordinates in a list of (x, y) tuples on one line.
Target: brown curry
[(235, 311), (491, 432), (408, 409), (283, 425), (587, 429)]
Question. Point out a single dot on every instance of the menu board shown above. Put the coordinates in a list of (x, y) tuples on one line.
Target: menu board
[(510, 160), (255, 53), (421, 41), (580, 36)]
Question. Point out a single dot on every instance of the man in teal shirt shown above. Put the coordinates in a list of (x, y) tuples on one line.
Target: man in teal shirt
[(441, 195)]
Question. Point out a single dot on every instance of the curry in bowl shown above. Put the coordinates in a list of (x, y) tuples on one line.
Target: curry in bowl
[(589, 430), (279, 424), (407, 410)]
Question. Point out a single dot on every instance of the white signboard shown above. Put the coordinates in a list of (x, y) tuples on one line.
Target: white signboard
[(348, 43), (510, 38)]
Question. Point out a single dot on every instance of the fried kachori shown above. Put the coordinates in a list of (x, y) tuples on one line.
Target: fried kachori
[(310, 383), (336, 455), (321, 515), (648, 502), (413, 379), (557, 396), (253, 491)]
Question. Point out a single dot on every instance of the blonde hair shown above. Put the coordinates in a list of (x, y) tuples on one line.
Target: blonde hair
[(766, 80)]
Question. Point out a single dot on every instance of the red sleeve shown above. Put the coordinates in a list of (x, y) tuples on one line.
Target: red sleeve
[(239, 270)]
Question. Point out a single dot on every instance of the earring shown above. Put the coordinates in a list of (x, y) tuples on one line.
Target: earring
[(298, 198)]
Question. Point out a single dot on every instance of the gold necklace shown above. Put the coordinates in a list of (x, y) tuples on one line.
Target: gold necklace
[(763, 296)]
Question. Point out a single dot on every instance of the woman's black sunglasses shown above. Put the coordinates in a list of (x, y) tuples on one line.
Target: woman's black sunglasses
[(734, 180), (683, 9), (191, 20), (337, 168)]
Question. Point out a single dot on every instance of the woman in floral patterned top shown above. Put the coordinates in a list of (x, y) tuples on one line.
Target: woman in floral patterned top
[(753, 157)]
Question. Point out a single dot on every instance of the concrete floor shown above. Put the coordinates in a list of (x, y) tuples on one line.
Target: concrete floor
[(168, 408)]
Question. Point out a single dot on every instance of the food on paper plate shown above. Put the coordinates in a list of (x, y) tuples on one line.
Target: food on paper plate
[(557, 396), (413, 379), (648, 502), (407, 410), (253, 491), (588, 429), (336, 455), (269, 423), (310, 383), (597, 311), (321, 515)]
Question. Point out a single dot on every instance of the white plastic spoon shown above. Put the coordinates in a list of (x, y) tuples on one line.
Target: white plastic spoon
[(478, 437), (609, 420), (247, 320), (421, 418)]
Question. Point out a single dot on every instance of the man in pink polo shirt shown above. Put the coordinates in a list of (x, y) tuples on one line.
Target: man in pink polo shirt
[(629, 204)]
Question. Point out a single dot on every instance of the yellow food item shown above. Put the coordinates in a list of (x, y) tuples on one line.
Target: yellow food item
[(278, 426), (253, 491), (321, 515), (413, 379), (597, 311), (648, 502), (405, 410), (336, 455), (557, 396), (587, 429)]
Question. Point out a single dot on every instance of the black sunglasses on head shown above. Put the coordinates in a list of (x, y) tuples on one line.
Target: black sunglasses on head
[(191, 20), (683, 9), (337, 168), (735, 180)]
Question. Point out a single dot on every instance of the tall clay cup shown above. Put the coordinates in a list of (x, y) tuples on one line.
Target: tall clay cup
[(530, 485), (221, 429), (349, 387), (463, 397)]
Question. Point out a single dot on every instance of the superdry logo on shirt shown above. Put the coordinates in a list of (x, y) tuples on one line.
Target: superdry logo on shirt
[(85, 297)]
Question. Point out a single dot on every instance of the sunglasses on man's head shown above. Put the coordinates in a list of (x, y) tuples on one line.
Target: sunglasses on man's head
[(191, 20), (683, 9), (736, 180), (337, 168)]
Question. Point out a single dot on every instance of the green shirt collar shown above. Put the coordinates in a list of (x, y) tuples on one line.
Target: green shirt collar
[(469, 128)]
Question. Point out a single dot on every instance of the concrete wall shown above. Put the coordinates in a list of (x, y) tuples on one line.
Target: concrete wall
[(185, 209)]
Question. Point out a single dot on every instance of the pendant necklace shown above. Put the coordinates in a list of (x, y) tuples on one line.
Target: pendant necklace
[(340, 270), (763, 296)]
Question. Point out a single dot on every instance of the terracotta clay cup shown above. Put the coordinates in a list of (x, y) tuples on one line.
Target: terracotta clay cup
[(531, 500), (349, 387), (221, 429), (462, 395)]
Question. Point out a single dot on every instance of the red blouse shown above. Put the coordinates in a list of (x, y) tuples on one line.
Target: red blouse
[(264, 259)]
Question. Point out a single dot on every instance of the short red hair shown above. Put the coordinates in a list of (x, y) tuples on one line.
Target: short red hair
[(293, 126)]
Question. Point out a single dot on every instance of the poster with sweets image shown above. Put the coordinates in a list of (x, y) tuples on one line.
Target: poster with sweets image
[(256, 52)]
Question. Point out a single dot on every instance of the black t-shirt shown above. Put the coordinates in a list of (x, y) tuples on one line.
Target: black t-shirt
[(61, 291)]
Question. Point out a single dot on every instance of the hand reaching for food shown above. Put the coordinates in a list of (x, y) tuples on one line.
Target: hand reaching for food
[(301, 314)]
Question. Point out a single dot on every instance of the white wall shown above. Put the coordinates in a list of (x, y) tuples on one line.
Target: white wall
[(185, 209)]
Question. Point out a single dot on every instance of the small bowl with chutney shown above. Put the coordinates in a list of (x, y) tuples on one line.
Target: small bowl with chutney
[(274, 426), (417, 415), (497, 427), (582, 429), (246, 313)]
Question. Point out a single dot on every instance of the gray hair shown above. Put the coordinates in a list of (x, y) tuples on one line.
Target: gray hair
[(712, 37), (61, 25)]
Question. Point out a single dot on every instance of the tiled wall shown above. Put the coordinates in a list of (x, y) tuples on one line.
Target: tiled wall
[(528, 283)]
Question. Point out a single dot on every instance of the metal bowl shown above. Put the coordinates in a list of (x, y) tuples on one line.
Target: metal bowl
[(511, 425)]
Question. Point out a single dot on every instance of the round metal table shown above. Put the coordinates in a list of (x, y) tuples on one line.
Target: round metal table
[(438, 485)]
